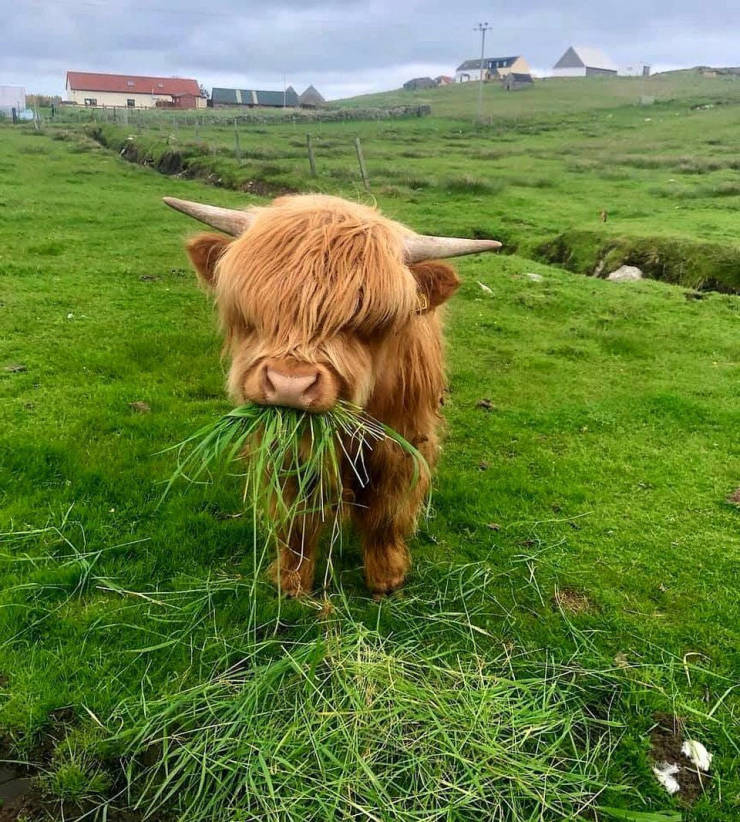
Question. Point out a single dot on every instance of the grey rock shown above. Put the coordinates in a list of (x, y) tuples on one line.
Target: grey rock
[(625, 274)]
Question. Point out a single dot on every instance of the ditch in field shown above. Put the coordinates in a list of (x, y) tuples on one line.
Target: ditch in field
[(706, 266)]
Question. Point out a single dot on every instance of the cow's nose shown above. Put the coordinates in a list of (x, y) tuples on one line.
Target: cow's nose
[(293, 390)]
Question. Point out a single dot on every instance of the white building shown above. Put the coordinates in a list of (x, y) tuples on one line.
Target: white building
[(12, 97), (583, 61), (494, 68), (132, 91)]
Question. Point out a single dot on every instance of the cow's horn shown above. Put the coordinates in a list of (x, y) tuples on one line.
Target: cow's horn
[(418, 247), (230, 220)]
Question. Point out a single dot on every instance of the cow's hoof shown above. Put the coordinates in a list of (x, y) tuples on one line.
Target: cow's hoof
[(289, 582), (386, 586)]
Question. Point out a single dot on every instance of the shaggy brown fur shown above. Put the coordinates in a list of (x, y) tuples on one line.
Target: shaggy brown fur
[(319, 280)]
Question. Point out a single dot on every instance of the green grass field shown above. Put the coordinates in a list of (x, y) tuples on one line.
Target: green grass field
[(578, 575), (538, 173)]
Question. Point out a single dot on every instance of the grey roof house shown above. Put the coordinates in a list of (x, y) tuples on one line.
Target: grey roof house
[(494, 68), (311, 98), (419, 83)]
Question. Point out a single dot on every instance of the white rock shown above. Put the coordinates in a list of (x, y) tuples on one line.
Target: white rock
[(625, 273), (538, 278), (484, 287), (666, 775), (697, 753)]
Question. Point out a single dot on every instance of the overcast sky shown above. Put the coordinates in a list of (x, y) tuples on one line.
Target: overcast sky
[(345, 47)]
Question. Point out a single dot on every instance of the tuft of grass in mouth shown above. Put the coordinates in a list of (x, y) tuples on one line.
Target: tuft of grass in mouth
[(293, 463)]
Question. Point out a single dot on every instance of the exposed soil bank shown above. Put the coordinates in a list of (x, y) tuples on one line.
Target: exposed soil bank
[(683, 262), (18, 796)]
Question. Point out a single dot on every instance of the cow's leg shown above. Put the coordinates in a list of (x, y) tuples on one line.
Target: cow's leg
[(293, 570), (386, 515), (387, 559)]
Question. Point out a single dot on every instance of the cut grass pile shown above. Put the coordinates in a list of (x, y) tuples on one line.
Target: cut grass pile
[(339, 719), (357, 725)]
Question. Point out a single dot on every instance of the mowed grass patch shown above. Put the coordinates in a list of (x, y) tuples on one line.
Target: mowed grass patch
[(601, 464)]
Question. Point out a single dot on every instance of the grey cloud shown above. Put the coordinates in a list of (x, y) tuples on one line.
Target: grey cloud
[(343, 46)]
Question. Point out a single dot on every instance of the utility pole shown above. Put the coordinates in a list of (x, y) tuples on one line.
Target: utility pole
[(482, 28)]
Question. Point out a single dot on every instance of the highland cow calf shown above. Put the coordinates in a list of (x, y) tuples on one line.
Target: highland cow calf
[(323, 300)]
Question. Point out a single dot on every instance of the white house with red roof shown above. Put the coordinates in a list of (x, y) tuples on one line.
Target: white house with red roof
[(132, 91)]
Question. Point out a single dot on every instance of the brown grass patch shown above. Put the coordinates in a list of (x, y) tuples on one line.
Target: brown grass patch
[(572, 601)]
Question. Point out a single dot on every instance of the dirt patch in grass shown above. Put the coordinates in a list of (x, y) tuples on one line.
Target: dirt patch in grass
[(262, 188), (666, 740), (21, 796), (734, 497), (22, 807), (572, 601)]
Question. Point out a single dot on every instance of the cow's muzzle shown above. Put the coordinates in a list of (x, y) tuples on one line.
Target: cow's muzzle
[(306, 386)]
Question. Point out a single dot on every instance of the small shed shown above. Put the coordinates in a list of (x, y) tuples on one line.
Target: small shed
[(515, 82), (419, 83), (185, 100)]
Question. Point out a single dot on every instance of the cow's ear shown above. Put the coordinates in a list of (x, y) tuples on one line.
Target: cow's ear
[(205, 251), (437, 283)]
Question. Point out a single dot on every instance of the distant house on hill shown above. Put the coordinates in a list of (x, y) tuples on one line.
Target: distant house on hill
[(444, 80), (132, 91), (311, 99), (419, 83), (253, 97), (494, 68), (582, 61)]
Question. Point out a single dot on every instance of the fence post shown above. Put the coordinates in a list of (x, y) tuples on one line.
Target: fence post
[(311, 160), (237, 147), (361, 161)]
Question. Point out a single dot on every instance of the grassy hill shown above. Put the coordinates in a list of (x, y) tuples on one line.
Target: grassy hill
[(556, 95), (573, 590)]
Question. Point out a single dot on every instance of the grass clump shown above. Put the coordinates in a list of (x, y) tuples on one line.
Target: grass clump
[(467, 184), (293, 463), (354, 725)]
